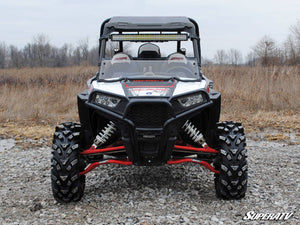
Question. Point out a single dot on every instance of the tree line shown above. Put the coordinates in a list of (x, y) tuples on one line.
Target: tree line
[(40, 53), (266, 52)]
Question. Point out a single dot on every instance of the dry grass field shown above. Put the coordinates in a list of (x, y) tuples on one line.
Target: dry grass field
[(33, 100)]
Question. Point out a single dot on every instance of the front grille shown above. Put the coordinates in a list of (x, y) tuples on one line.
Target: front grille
[(149, 115)]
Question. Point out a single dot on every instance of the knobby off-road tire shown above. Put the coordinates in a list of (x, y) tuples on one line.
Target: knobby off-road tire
[(66, 164), (231, 161)]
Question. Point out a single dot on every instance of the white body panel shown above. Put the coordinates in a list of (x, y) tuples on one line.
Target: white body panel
[(161, 92), (184, 87), (112, 87), (116, 88)]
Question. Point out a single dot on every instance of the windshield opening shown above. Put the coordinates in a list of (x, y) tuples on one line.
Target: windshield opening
[(149, 54), (110, 69), (132, 47)]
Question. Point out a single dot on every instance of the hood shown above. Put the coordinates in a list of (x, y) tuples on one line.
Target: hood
[(148, 88), (143, 88)]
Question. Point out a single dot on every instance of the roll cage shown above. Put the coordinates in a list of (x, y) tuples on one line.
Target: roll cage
[(149, 24)]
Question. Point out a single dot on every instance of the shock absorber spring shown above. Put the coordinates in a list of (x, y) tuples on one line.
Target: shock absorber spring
[(193, 132), (105, 134)]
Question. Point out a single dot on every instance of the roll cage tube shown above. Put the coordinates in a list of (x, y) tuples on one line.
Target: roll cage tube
[(192, 30), (102, 54)]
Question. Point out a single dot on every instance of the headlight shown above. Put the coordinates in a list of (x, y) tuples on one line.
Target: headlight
[(190, 100), (106, 100)]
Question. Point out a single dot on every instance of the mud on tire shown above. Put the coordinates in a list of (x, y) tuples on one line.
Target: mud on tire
[(66, 164), (231, 183)]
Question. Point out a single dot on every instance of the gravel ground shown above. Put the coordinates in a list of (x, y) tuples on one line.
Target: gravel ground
[(180, 194)]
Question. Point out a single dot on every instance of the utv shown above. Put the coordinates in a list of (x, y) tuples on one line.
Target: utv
[(149, 104)]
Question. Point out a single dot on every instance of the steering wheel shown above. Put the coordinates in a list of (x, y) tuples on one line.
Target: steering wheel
[(180, 70)]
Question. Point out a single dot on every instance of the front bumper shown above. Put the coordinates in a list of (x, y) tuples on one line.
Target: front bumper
[(149, 133)]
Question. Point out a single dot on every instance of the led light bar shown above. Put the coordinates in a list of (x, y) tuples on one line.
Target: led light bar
[(149, 37)]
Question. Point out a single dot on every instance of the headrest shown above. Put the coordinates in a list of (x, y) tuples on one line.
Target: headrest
[(177, 58), (120, 58), (149, 50)]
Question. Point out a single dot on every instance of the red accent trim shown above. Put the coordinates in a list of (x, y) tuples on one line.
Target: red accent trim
[(203, 163), (150, 89), (92, 166), (208, 166), (149, 86), (121, 58), (176, 58), (148, 80), (178, 161), (190, 148), (207, 89), (93, 150), (90, 88), (121, 162)]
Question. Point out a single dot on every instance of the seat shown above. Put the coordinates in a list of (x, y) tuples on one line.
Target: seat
[(149, 51), (178, 58), (120, 58)]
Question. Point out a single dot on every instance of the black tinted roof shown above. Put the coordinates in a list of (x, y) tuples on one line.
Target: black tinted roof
[(139, 23)]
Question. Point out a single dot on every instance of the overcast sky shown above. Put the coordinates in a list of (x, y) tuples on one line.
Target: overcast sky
[(223, 24)]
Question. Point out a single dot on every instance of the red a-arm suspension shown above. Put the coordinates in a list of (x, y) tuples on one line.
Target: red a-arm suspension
[(93, 150)]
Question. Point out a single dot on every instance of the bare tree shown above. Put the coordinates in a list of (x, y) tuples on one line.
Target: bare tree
[(235, 57), (206, 61), (15, 57), (38, 52), (266, 51), (76, 56), (292, 45), (295, 29), (43, 49), (27, 55), (221, 57), (84, 49), (93, 56), (251, 60), (61, 56), (3, 55)]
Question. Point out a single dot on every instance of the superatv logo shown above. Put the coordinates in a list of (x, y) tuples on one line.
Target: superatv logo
[(267, 216)]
